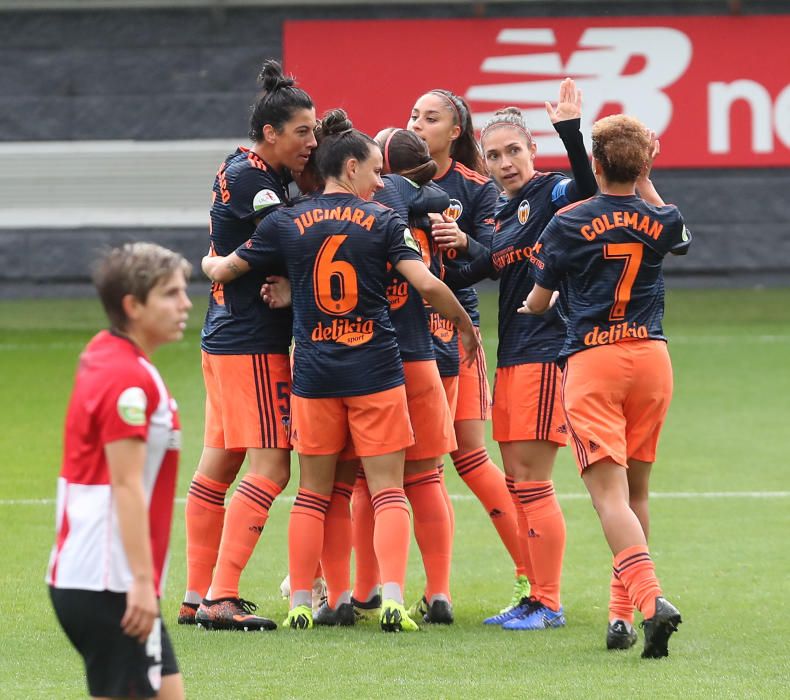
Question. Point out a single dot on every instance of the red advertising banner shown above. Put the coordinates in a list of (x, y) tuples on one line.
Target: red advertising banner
[(715, 89)]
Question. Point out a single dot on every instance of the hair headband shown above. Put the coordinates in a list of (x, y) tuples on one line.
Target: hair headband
[(449, 99), (497, 124), (387, 150)]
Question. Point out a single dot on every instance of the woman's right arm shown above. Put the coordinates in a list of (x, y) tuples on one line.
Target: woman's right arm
[(224, 268)]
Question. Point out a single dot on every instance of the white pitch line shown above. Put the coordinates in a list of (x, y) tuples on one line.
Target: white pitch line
[(663, 495), (677, 339)]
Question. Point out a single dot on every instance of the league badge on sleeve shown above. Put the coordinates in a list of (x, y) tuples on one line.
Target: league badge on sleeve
[(131, 406), (410, 241), (264, 199), (523, 212)]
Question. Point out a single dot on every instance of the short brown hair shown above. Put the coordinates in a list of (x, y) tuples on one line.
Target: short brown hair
[(621, 144), (134, 268)]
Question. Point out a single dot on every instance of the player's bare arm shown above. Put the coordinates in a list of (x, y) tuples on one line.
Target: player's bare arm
[(439, 295), (125, 461), (223, 269), (539, 301)]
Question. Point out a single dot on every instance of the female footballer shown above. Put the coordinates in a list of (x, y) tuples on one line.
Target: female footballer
[(246, 368), (529, 423), (443, 120), (336, 247), (605, 257)]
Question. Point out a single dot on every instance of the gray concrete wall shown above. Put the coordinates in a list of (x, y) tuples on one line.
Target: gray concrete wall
[(186, 73)]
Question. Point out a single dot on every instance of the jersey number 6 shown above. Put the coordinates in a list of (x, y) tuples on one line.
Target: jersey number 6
[(334, 281), (632, 254)]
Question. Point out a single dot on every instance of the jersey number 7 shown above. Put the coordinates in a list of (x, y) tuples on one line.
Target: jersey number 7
[(632, 254), (335, 283)]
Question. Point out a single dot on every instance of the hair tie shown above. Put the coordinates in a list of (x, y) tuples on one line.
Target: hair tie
[(449, 99), (387, 151)]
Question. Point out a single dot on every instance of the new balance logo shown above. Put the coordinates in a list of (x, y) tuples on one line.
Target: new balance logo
[(496, 513), (602, 63)]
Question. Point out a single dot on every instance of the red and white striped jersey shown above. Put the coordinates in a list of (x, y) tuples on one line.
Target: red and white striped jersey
[(117, 394)]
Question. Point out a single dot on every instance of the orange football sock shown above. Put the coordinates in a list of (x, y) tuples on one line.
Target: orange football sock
[(523, 530), (636, 570), (546, 538), (336, 554), (247, 514), (366, 568), (204, 515), (431, 529), (620, 606), (305, 541), (447, 501), (487, 482), (391, 535)]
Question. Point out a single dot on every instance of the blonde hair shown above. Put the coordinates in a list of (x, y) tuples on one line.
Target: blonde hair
[(507, 116)]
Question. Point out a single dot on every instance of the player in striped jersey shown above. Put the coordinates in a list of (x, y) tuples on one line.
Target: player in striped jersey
[(246, 368), (117, 483), (444, 122), (529, 423), (605, 257), (336, 246), (408, 190)]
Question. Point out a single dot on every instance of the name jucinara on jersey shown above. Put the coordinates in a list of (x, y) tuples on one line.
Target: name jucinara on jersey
[(622, 219), (314, 216)]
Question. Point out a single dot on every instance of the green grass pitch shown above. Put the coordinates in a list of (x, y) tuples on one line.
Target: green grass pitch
[(720, 525)]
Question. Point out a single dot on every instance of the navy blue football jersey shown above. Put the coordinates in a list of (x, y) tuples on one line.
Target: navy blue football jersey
[(237, 322), (407, 310), (336, 248), (519, 221), (605, 255), (472, 200)]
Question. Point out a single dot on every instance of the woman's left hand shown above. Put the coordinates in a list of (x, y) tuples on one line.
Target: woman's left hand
[(569, 105)]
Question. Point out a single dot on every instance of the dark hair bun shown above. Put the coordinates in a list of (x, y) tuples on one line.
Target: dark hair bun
[(271, 77), (335, 121), (509, 110)]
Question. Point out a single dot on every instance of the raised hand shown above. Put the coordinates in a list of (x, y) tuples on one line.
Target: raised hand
[(569, 105)]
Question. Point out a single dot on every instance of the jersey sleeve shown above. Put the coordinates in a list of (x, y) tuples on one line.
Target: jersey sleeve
[(484, 214), (263, 249), (253, 194), (391, 196), (401, 244), (583, 184), (680, 238), (548, 256), (125, 409), (431, 199)]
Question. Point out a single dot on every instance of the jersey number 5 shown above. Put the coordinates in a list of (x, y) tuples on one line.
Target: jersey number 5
[(334, 281), (632, 254)]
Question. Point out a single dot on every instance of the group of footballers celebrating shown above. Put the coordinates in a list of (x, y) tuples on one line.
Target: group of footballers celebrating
[(369, 268)]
